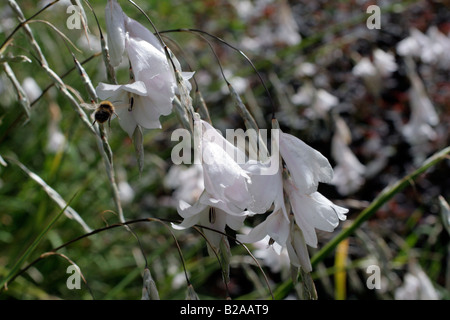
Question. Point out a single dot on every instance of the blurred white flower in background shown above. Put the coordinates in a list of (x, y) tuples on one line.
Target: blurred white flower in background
[(126, 192), (349, 171), (56, 139), (31, 88), (270, 23), (318, 101), (375, 69), (240, 84), (432, 47), (412, 45), (306, 69), (423, 117), (304, 95), (416, 286), (384, 62), (187, 182), (420, 128), (275, 257)]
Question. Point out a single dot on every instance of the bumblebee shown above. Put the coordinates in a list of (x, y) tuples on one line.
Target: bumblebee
[(103, 111)]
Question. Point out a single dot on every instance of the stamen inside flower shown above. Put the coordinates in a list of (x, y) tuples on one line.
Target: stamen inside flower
[(212, 215)]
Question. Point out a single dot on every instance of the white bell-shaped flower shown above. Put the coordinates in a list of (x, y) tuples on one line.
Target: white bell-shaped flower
[(151, 69), (224, 179)]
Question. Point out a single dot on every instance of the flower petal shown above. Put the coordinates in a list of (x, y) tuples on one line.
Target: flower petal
[(105, 90), (138, 31), (150, 66), (274, 226), (234, 222), (185, 210), (306, 165), (266, 189), (256, 234), (312, 212), (143, 113), (126, 120), (210, 134), (278, 227), (115, 19), (223, 177)]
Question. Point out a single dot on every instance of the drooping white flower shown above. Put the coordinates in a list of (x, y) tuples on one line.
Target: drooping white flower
[(305, 168), (416, 286), (226, 197), (122, 97), (349, 171), (224, 179), (419, 129), (141, 102)]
